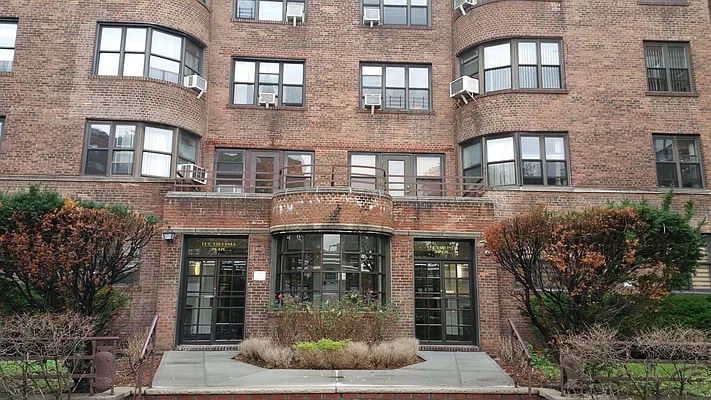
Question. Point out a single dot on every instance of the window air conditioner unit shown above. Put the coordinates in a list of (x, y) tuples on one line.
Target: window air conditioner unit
[(373, 100), (229, 189), (371, 15), (196, 82), (267, 99), (462, 5), (295, 11), (192, 173), (465, 85)]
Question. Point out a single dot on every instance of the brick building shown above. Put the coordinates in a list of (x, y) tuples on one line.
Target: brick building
[(350, 145)]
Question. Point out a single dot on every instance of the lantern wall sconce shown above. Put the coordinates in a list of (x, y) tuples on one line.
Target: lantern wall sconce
[(169, 235)]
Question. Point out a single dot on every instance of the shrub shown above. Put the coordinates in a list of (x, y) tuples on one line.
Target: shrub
[(331, 354), (357, 316), (46, 339), (688, 310), (132, 348)]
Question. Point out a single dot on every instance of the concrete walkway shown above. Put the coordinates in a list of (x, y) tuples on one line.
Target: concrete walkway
[(216, 369)]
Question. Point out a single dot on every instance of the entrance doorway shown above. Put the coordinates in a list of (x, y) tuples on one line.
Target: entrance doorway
[(213, 291), (444, 292)]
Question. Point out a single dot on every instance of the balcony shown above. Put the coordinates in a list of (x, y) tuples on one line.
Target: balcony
[(307, 177)]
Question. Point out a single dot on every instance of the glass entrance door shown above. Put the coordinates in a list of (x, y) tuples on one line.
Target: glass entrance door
[(214, 301), (444, 282), (214, 291), (397, 169)]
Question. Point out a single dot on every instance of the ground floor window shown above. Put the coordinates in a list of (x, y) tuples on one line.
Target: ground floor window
[(445, 292), (213, 290), (321, 267)]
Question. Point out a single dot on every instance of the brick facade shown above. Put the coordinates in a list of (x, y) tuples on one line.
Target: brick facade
[(604, 108)]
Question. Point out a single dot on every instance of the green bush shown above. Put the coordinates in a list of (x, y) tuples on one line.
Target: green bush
[(687, 310)]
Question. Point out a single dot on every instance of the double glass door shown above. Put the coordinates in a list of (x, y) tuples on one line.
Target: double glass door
[(214, 300), (444, 294)]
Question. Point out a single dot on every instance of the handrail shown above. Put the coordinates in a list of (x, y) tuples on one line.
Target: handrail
[(527, 354), (359, 177), (150, 341)]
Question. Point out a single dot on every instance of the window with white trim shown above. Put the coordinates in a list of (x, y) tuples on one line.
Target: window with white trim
[(265, 10), (515, 64), (137, 149), (148, 52), (285, 79), (8, 36), (518, 159)]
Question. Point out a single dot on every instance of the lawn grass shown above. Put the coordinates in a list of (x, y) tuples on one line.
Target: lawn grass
[(13, 370)]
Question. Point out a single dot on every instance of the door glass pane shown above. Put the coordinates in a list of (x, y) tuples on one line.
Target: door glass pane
[(396, 177), (264, 174)]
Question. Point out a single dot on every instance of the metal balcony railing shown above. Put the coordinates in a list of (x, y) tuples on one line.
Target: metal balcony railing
[(294, 177)]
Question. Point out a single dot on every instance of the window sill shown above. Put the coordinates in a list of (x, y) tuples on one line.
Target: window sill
[(672, 94), (396, 112), (663, 2), (275, 108), (140, 78), (414, 27), (265, 22), (524, 91), (458, 13), (8, 74)]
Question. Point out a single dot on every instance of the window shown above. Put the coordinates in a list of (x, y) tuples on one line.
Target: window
[(401, 12), (518, 159), (405, 87), (678, 161), (264, 10), (8, 35), (125, 148), (283, 78), (405, 174), (517, 64), (147, 52), (261, 171), (701, 280), (322, 267), (2, 124), (668, 67)]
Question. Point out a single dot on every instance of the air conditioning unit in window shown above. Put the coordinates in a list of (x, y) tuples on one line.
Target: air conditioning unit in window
[(191, 173), (295, 12), (465, 85), (267, 99), (196, 82), (373, 101), (463, 5), (371, 15)]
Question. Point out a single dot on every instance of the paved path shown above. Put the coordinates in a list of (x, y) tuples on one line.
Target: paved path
[(217, 369)]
